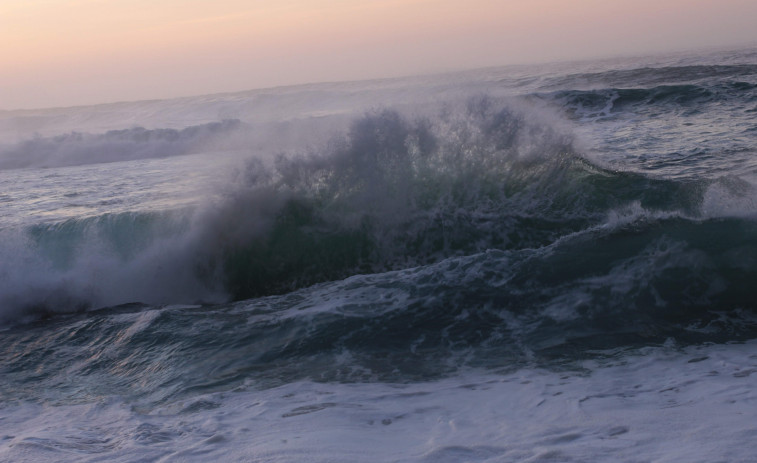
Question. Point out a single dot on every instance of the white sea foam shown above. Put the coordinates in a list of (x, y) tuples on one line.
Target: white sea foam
[(731, 197), (656, 404)]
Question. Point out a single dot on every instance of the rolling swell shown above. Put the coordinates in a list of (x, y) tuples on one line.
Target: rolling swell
[(613, 101), (683, 89), (657, 76)]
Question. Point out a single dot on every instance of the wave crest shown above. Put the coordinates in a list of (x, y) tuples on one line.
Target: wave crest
[(392, 192)]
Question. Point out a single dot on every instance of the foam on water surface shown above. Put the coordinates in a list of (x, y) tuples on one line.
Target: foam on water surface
[(655, 404)]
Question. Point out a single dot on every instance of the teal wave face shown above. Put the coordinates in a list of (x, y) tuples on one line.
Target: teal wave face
[(396, 193), (642, 281)]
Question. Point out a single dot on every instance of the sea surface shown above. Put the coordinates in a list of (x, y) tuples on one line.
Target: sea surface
[(552, 263)]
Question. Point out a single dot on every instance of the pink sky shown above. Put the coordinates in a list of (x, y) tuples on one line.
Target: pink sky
[(70, 52)]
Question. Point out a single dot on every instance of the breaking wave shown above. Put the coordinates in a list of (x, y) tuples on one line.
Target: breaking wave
[(395, 192)]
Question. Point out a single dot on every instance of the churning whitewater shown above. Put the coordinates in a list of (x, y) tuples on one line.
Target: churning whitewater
[(550, 263)]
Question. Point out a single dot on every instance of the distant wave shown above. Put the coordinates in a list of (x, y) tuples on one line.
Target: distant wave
[(654, 76), (116, 145), (607, 102)]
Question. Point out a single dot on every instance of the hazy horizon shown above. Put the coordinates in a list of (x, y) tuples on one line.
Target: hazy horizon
[(83, 52)]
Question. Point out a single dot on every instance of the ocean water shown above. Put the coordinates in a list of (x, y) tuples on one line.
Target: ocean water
[(542, 263)]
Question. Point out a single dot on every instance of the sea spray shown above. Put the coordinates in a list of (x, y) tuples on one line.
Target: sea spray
[(507, 279), (392, 192)]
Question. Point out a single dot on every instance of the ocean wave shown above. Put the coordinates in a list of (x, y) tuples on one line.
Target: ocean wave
[(638, 279), (393, 192), (610, 102), (656, 76), (76, 148)]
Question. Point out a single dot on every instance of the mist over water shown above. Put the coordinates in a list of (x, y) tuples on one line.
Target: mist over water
[(575, 237)]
